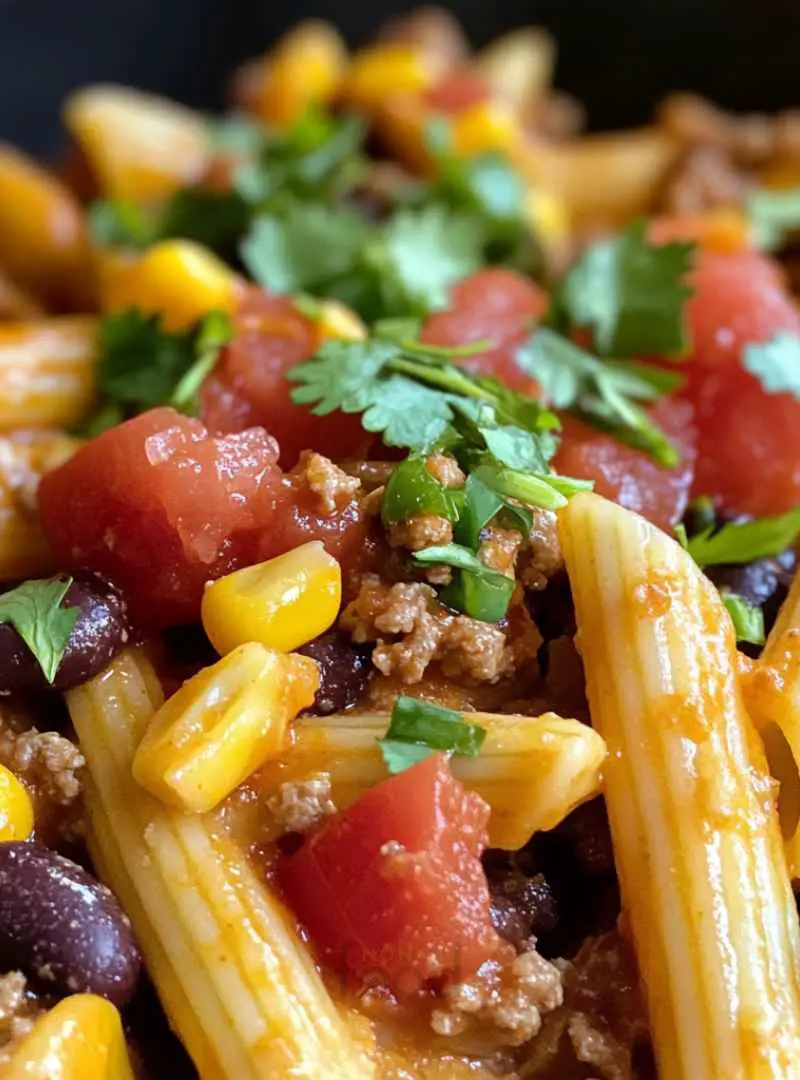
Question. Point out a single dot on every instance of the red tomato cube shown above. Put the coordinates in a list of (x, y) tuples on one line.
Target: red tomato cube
[(391, 890), (161, 507)]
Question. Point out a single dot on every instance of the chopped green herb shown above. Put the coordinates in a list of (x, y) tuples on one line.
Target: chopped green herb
[(748, 619), (398, 329), (682, 536), (34, 610), (121, 222), (775, 363), (479, 506), (775, 215), (742, 542), (603, 394), (631, 293), (527, 488), (143, 366), (417, 728), (412, 490), (478, 591)]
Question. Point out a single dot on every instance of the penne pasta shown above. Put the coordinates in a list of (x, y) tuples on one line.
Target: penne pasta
[(24, 458), (532, 770), (47, 372), (772, 692), (236, 980), (691, 804)]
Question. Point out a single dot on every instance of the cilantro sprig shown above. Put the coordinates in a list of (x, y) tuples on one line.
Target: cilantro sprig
[(631, 293), (34, 610), (419, 728), (748, 619), (143, 366), (605, 394), (740, 542)]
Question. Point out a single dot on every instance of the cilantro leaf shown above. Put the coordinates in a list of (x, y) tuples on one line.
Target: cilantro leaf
[(421, 254), (121, 222), (631, 293), (34, 610), (142, 365), (478, 591), (480, 504), (423, 727), (342, 375), (775, 363), (304, 248), (603, 394), (742, 542), (748, 619), (775, 215)]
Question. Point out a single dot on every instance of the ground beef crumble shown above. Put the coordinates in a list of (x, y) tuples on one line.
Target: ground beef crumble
[(420, 531), (333, 486), (541, 558), (499, 549), (445, 469), (424, 631), (45, 760), (601, 1023), (300, 805), (508, 1001)]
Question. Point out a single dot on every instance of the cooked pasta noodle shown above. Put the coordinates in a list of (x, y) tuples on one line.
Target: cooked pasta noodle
[(690, 802)]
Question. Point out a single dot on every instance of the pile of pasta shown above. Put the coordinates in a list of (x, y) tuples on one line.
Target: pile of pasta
[(687, 732)]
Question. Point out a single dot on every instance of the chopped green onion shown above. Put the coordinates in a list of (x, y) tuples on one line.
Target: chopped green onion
[(417, 728), (748, 619), (412, 490)]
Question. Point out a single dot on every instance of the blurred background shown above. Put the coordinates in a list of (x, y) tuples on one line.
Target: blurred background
[(619, 56)]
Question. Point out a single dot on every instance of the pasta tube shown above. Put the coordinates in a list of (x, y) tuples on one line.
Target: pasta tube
[(772, 693), (532, 770), (47, 372), (24, 458), (232, 973), (697, 843)]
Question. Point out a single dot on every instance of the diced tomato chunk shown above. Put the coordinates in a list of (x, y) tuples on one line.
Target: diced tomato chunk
[(392, 890), (249, 386), (749, 439), (629, 476), (161, 507), (456, 91), (496, 305)]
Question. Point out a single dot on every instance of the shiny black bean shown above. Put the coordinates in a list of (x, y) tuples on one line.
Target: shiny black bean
[(521, 904), (100, 632), (62, 928), (344, 670)]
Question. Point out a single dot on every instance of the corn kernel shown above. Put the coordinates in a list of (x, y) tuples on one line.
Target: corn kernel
[(336, 320), (178, 279), (487, 126), (222, 725), (383, 71), (80, 1038), (16, 809), (281, 603), (139, 146), (549, 218), (306, 68)]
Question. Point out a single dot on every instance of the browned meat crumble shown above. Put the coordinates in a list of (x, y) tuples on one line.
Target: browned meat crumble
[(19, 1009), (333, 487)]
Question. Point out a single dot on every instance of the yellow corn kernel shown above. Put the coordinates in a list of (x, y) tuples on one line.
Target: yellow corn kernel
[(16, 809), (222, 725), (549, 219), (47, 371), (486, 126), (385, 70), (139, 146), (25, 457), (281, 603), (306, 68), (178, 279), (80, 1038), (336, 320)]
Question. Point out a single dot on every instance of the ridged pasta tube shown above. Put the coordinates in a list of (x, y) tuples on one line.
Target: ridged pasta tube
[(772, 693), (234, 976), (691, 805), (532, 770)]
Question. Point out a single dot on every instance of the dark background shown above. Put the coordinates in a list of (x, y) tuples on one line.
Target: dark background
[(619, 56)]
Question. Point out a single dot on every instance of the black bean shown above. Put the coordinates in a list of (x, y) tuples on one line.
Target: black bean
[(552, 607), (100, 632), (522, 902), (62, 928), (344, 670)]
